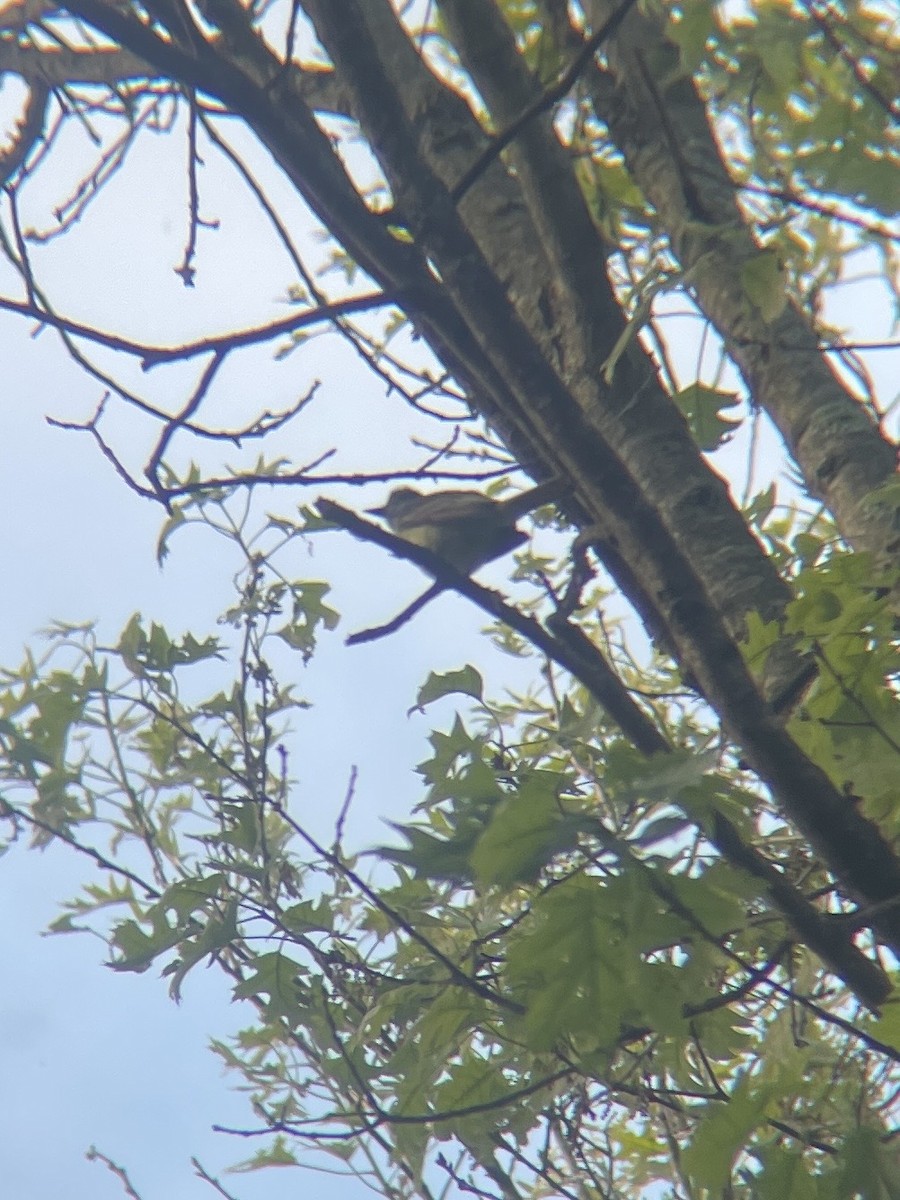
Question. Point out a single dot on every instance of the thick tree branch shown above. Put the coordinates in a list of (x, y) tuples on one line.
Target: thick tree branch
[(562, 296), (841, 453), (59, 66)]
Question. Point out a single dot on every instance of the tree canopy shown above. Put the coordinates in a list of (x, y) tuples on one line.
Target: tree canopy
[(639, 936)]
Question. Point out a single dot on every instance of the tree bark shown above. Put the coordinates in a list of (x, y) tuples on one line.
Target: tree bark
[(659, 122)]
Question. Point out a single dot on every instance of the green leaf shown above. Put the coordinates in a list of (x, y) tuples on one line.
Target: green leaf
[(760, 507), (219, 931), (280, 978), (714, 897), (21, 750), (276, 1155), (764, 285), (887, 1028), (861, 1158), (175, 519), (691, 30), (432, 857), (785, 1173), (65, 924), (722, 1135), (243, 826), (702, 406), (526, 830), (138, 949), (665, 775), (308, 612), (187, 896), (476, 1081), (466, 681), (453, 1012), (457, 767), (308, 916), (572, 967), (156, 652)]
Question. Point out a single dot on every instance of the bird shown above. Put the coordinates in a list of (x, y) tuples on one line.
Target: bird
[(465, 528)]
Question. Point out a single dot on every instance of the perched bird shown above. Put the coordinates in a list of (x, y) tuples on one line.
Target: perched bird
[(466, 529)]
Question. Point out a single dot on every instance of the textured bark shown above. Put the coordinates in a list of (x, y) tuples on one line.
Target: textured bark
[(549, 259), (57, 66), (842, 454), (563, 296)]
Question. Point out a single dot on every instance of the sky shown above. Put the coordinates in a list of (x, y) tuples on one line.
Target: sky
[(89, 1056)]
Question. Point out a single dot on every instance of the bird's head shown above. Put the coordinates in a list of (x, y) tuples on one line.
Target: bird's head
[(400, 504)]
